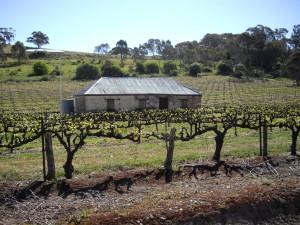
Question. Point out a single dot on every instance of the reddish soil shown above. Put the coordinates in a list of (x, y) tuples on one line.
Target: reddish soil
[(272, 197)]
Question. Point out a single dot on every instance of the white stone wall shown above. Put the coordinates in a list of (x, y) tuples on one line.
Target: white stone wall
[(130, 102)]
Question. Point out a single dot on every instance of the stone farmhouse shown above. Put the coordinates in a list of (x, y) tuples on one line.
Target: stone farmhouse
[(126, 94)]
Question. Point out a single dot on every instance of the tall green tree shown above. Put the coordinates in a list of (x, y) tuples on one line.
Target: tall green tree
[(7, 35), (102, 49), (121, 49), (295, 37), (293, 67), (18, 50), (187, 52), (167, 51), (139, 52), (153, 46), (38, 38)]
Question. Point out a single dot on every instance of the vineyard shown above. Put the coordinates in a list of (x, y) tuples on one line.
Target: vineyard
[(189, 148), (44, 96)]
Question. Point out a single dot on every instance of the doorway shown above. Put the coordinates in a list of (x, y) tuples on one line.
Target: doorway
[(163, 103)]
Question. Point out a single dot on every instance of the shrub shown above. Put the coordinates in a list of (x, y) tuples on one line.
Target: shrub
[(224, 68), (109, 70), (195, 68), (40, 68), (169, 67), (239, 70), (206, 70), (86, 72), (139, 68), (173, 73), (151, 68), (37, 54)]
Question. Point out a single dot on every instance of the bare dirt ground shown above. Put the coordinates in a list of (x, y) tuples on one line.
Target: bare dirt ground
[(264, 193)]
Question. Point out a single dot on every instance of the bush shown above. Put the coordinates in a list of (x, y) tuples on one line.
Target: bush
[(240, 70), (37, 55), (40, 68), (86, 72), (173, 73), (140, 68), (170, 68), (195, 68), (224, 69), (151, 68), (109, 70), (206, 70)]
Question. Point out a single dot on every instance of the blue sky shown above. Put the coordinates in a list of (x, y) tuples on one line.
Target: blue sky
[(80, 25)]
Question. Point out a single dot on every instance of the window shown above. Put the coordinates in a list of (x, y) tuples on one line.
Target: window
[(184, 103), (110, 105), (142, 104)]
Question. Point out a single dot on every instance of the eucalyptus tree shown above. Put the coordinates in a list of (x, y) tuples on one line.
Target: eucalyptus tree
[(18, 50), (102, 49), (121, 49), (7, 34), (295, 37), (38, 38)]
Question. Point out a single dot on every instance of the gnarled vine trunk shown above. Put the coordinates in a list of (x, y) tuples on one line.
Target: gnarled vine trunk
[(68, 166), (169, 157), (219, 139)]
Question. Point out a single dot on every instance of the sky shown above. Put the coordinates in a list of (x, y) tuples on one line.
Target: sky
[(80, 25)]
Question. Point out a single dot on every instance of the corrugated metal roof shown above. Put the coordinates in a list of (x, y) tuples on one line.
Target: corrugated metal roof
[(134, 86)]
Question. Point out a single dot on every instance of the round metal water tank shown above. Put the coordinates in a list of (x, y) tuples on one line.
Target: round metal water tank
[(66, 106)]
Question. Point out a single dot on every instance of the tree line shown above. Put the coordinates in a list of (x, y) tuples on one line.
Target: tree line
[(256, 51)]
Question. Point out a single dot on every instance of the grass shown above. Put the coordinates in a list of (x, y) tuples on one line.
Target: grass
[(110, 154)]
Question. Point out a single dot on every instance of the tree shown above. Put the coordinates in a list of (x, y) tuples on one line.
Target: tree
[(40, 68), (212, 40), (86, 72), (18, 50), (188, 52), (224, 68), (280, 33), (153, 46), (110, 70), (2, 44), (151, 68), (38, 38), (167, 51), (122, 49), (139, 53), (102, 49), (293, 67), (7, 34), (170, 68), (140, 68), (295, 37), (195, 68)]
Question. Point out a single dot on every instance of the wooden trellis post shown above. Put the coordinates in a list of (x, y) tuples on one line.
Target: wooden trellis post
[(43, 149)]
